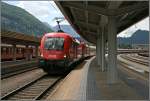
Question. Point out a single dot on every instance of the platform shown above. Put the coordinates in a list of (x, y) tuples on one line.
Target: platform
[(86, 82)]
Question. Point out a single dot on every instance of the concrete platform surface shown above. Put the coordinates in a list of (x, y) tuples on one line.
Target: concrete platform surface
[(73, 87), (87, 82), (119, 91)]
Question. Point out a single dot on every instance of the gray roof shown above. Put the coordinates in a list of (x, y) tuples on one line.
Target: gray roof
[(10, 37), (86, 17)]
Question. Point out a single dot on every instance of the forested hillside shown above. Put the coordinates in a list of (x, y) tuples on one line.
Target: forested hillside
[(139, 37), (68, 29), (17, 19)]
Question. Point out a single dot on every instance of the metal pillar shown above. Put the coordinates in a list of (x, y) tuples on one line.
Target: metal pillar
[(103, 50), (27, 52), (30, 53), (89, 51), (98, 50), (36, 52), (105, 47), (112, 51), (103, 23), (14, 52)]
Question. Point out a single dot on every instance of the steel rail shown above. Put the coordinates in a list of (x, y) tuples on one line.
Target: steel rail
[(135, 60), (20, 88), (4, 76), (40, 86)]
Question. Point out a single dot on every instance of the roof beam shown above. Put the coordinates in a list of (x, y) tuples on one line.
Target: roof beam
[(114, 4), (90, 39), (89, 32), (86, 15), (104, 20), (122, 23), (112, 8), (121, 13), (66, 16), (122, 20), (135, 7), (74, 17), (90, 8), (63, 12), (73, 13), (89, 24)]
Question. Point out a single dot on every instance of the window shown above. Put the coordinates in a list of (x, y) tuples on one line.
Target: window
[(3, 50), (52, 43)]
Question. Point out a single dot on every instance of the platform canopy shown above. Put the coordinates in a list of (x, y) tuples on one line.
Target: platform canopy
[(10, 37), (87, 17)]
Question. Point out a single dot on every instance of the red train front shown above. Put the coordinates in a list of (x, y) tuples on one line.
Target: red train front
[(58, 52)]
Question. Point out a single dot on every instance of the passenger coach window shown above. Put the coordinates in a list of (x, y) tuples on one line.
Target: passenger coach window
[(3, 50), (54, 43)]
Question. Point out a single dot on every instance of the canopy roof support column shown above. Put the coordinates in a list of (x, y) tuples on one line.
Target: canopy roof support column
[(98, 46), (112, 50), (14, 52), (36, 51), (103, 50), (27, 52), (103, 23)]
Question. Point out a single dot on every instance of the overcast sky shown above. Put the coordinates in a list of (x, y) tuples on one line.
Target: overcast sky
[(46, 11)]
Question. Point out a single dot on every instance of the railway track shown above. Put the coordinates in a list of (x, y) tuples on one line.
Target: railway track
[(138, 81), (144, 54), (7, 75), (139, 56), (143, 76), (136, 60), (13, 68), (34, 90)]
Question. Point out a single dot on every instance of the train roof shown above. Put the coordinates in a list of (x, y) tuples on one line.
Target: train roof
[(61, 34), (57, 34)]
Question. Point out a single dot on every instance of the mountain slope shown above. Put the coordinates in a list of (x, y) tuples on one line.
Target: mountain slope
[(17, 19), (68, 29), (139, 37)]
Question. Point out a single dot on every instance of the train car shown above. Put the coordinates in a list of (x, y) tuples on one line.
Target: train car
[(7, 52), (59, 51)]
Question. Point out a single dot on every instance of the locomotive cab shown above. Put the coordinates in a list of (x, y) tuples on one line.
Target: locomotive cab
[(59, 51), (54, 51), (53, 48)]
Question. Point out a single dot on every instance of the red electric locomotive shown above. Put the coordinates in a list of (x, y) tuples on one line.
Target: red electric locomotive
[(59, 51)]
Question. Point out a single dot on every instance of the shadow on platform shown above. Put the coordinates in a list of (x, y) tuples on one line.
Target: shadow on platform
[(98, 89)]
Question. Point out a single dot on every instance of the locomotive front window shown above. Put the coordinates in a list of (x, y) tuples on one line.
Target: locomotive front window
[(54, 43)]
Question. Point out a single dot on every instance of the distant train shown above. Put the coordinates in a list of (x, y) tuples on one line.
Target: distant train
[(7, 52), (59, 51)]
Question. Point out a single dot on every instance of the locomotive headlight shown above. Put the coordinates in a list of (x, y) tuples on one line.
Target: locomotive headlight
[(65, 56), (41, 54)]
